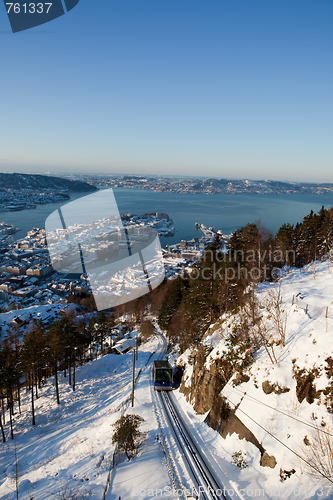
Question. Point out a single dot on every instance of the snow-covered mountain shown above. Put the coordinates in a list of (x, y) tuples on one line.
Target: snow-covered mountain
[(39, 182), (269, 426), (275, 412)]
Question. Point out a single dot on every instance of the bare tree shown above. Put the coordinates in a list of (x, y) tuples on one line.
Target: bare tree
[(262, 331), (277, 313), (319, 451), (74, 493), (259, 327)]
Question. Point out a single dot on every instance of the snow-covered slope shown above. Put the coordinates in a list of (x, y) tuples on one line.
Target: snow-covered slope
[(70, 446), (286, 426)]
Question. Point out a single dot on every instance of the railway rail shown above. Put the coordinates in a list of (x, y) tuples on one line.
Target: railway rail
[(206, 484)]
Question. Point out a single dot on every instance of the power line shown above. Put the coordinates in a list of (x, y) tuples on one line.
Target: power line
[(277, 439), (286, 414)]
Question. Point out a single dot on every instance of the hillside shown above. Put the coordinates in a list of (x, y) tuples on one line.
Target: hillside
[(39, 182), (277, 415), (68, 453), (210, 185)]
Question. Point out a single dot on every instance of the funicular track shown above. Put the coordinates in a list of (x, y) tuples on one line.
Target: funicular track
[(206, 484)]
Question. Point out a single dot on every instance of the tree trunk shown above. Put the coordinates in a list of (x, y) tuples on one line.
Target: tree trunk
[(32, 399), (11, 421), (265, 344), (18, 394), (56, 381), (273, 353), (74, 376), (2, 430), (69, 371), (11, 400), (3, 409)]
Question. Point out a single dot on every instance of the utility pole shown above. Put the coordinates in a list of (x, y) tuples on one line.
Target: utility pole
[(133, 378)]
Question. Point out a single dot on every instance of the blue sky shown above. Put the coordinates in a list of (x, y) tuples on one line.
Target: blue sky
[(228, 88)]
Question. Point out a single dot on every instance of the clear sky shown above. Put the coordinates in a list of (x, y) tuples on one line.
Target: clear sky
[(227, 88)]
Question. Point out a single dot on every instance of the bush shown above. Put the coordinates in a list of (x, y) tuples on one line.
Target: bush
[(73, 494), (127, 435), (238, 458), (319, 451)]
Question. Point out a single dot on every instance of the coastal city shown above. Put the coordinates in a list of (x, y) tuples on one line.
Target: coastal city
[(28, 277), (14, 201), (166, 250), (22, 191), (195, 185)]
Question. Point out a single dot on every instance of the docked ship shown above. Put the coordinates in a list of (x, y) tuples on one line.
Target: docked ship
[(15, 208)]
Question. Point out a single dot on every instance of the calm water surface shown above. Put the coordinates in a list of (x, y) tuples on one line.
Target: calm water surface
[(225, 212)]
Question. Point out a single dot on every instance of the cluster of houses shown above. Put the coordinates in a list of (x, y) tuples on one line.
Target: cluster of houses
[(13, 200), (27, 276), (108, 238), (179, 257)]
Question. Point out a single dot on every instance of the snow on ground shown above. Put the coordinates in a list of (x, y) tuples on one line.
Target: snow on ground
[(70, 446), (47, 313), (309, 341), (146, 476)]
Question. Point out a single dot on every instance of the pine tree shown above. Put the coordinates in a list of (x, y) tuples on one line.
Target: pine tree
[(9, 374), (55, 350), (101, 330), (171, 302), (284, 245), (2, 389), (127, 434), (309, 239), (34, 359)]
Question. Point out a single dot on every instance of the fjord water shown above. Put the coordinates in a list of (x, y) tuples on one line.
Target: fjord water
[(223, 211)]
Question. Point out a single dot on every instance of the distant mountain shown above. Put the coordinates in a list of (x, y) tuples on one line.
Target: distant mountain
[(39, 182), (210, 185)]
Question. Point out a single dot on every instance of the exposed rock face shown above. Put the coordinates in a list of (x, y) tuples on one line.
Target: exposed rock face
[(203, 391), (306, 441), (206, 384), (240, 379), (267, 460), (268, 388), (306, 388), (223, 419)]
